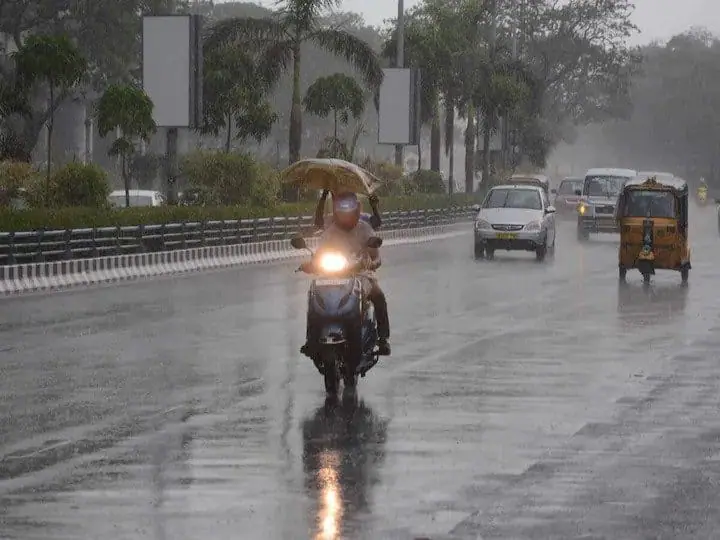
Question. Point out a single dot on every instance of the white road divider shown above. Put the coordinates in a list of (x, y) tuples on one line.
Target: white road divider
[(33, 277)]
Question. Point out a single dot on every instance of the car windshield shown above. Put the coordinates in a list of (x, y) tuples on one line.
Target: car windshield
[(658, 204), (514, 198), (135, 200), (569, 187), (603, 186)]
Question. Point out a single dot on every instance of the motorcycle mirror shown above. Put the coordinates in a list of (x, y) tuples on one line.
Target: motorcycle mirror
[(298, 243), (374, 242)]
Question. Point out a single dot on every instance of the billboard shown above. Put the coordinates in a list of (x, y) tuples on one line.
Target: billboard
[(172, 69), (399, 114)]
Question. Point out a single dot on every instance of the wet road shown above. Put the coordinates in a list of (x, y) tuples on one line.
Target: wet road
[(522, 400)]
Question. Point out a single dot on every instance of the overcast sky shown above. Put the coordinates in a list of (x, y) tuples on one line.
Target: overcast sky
[(657, 19)]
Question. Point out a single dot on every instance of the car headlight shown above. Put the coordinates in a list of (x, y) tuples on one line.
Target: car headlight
[(533, 226), (481, 225), (332, 262)]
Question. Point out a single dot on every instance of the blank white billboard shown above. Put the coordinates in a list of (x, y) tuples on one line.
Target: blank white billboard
[(167, 68), (397, 116)]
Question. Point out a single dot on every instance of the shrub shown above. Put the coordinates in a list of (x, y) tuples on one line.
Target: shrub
[(390, 174), (231, 178), (77, 184), (425, 181), (78, 218), (15, 176)]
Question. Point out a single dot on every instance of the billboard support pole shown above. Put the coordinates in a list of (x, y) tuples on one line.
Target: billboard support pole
[(400, 61), (171, 160)]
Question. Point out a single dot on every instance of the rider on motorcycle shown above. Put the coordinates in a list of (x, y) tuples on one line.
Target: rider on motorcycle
[(347, 229), (374, 219)]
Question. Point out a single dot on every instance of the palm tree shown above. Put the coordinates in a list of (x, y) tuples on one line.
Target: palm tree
[(298, 22)]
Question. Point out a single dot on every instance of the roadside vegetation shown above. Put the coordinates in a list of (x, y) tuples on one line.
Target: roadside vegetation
[(303, 80)]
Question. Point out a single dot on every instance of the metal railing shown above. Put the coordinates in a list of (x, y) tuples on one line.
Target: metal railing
[(57, 245)]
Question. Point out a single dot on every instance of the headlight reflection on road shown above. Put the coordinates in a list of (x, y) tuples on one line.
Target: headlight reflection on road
[(331, 506)]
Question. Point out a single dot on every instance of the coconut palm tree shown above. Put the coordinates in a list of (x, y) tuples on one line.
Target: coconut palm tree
[(298, 22)]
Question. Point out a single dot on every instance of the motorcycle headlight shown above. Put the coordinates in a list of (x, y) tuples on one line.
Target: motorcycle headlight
[(481, 225), (582, 208), (332, 262), (533, 226)]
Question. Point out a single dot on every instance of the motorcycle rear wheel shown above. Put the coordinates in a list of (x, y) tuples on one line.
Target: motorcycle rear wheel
[(330, 369)]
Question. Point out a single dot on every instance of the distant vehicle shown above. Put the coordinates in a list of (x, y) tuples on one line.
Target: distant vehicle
[(598, 200), (530, 179), (138, 197), (515, 218), (660, 176), (566, 200)]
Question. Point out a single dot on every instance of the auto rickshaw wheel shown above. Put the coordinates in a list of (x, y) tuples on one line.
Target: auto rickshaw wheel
[(622, 273), (646, 277), (684, 274)]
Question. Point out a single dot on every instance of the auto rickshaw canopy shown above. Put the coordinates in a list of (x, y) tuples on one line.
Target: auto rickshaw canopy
[(335, 175), (677, 186)]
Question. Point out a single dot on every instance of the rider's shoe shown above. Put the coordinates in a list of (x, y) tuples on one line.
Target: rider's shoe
[(383, 347)]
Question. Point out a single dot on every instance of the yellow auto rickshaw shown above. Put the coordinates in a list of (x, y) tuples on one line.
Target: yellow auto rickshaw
[(653, 219)]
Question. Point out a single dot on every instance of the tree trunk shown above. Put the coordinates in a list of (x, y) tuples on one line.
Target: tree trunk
[(435, 140), (450, 143), (335, 133), (295, 141), (126, 180), (487, 130), (420, 150), (51, 121), (228, 138), (470, 150)]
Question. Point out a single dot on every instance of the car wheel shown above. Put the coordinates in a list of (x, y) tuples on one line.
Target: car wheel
[(541, 252), (489, 253)]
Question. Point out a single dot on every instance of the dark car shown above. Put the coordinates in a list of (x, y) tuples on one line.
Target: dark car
[(566, 198)]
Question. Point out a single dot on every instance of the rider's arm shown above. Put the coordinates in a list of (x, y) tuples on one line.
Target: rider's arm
[(320, 210), (375, 220), (375, 260)]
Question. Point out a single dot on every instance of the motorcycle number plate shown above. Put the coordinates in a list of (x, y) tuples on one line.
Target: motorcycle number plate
[(330, 282)]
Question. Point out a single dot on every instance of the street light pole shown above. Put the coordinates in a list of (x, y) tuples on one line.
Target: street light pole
[(400, 63)]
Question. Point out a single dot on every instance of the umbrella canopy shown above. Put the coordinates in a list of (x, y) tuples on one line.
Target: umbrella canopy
[(335, 175)]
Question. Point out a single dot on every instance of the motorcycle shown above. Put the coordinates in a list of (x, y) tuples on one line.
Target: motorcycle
[(341, 318), (702, 196)]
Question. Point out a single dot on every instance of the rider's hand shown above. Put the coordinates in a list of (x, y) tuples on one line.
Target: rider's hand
[(373, 199)]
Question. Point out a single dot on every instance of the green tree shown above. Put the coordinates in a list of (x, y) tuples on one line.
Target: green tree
[(236, 95), (282, 37), (339, 95), (128, 109), (55, 62)]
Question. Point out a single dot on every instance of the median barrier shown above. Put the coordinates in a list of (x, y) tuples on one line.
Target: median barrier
[(55, 275)]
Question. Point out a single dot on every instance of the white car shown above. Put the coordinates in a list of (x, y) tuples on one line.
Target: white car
[(138, 197), (515, 218)]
